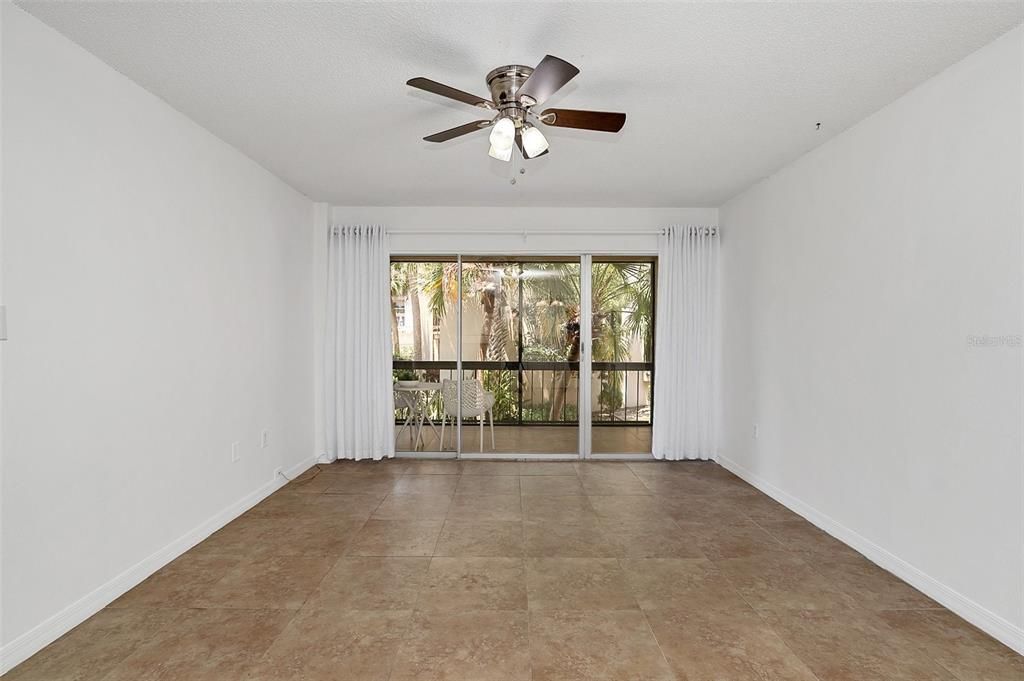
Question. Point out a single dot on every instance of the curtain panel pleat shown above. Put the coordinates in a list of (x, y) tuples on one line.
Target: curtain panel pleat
[(686, 392), (359, 402)]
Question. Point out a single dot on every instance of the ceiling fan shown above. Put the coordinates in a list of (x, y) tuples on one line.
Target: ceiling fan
[(515, 91)]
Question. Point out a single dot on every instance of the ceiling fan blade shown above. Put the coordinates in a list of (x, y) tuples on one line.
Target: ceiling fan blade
[(448, 91), (603, 121), (459, 131), (549, 76), (519, 143)]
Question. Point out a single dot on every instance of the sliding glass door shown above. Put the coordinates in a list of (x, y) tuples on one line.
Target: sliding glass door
[(622, 362), (520, 355), (424, 341), (521, 329)]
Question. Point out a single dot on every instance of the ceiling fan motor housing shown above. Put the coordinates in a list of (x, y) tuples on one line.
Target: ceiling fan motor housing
[(504, 82)]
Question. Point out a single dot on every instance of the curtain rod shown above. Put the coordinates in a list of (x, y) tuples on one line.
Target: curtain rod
[(542, 232), (522, 232)]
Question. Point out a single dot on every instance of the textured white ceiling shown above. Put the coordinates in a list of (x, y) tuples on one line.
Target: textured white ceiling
[(718, 94)]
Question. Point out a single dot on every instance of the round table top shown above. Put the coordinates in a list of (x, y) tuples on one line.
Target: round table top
[(422, 385)]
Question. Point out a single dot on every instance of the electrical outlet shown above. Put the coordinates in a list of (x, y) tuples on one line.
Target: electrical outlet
[(757, 431), (264, 439), (236, 451)]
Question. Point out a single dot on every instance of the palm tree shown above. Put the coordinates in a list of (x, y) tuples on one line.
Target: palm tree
[(488, 283), (622, 304), (622, 312), (413, 286), (399, 291), (396, 349), (405, 284), (492, 288)]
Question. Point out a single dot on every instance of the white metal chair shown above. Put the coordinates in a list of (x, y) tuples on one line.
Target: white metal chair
[(405, 404), (476, 403)]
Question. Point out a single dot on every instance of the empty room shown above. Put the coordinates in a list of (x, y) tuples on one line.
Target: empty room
[(511, 341)]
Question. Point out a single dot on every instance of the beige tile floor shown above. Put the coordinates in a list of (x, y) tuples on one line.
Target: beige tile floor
[(534, 439), (478, 571)]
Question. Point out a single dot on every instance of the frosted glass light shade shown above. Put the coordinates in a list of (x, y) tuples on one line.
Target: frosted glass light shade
[(503, 136), (534, 142), (500, 154)]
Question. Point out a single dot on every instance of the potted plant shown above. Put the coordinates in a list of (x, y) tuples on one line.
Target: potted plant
[(406, 378)]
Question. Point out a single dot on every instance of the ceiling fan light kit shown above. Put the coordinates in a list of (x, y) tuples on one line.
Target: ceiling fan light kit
[(534, 142), (515, 90), (500, 154), (503, 135)]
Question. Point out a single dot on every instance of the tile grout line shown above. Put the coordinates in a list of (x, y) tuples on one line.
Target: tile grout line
[(787, 548), (661, 650), (811, 565)]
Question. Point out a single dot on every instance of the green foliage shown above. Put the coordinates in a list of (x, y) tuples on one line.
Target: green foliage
[(440, 283), (623, 309), (506, 393), (536, 352), (398, 278), (623, 313), (405, 375), (540, 413), (622, 293), (610, 397)]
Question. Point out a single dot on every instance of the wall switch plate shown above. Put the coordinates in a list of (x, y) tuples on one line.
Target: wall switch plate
[(236, 451), (264, 438)]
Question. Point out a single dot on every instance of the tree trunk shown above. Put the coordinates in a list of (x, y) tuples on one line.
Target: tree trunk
[(487, 300), (414, 303), (396, 346), (558, 387), (500, 338)]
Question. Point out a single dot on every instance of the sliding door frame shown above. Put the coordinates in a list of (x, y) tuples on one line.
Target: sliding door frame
[(651, 258), (583, 415), (520, 258), (584, 378)]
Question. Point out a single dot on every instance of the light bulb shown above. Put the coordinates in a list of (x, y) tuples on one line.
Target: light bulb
[(500, 154), (504, 134), (534, 142)]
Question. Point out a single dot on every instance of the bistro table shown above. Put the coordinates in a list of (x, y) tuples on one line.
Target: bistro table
[(417, 397)]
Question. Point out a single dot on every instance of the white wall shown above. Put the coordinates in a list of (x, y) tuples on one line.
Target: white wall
[(484, 231), (2, 343), (853, 281), (159, 305)]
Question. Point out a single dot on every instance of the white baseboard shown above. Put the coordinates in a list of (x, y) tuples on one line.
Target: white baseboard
[(426, 455), (45, 633), (514, 456), (621, 457), (992, 624)]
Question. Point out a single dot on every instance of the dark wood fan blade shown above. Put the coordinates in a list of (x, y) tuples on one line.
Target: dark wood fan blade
[(522, 151), (459, 131), (448, 91), (547, 79), (604, 121)]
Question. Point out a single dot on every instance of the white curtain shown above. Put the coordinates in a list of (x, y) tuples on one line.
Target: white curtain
[(358, 397), (686, 385)]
